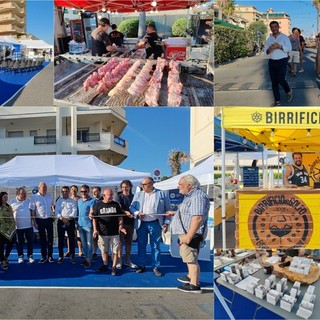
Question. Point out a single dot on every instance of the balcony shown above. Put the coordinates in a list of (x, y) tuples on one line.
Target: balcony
[(89, 143)]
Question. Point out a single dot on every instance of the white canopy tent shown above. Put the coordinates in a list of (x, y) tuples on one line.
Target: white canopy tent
[(203, 172), (60, 170), (7, 41), (36, 44)]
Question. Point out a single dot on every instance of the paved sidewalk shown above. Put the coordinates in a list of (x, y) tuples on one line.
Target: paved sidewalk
[(38, 92)]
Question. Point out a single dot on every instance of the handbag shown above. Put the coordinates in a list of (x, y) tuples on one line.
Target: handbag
[(196, 240)]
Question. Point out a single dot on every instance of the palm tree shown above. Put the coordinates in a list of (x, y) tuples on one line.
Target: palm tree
[(176, 157)]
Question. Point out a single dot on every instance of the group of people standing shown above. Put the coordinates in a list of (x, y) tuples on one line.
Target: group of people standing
[(106, 38), (111, 220), (284, 52)]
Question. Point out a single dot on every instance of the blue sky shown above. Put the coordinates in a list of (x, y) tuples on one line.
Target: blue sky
[(151, 134), (40, 19), (302, 13)]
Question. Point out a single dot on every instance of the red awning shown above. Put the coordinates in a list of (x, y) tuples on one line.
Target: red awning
[(127, 5)]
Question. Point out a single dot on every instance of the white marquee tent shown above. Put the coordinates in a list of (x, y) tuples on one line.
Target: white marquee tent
[(36, 44), (203, 172), (59, 170)]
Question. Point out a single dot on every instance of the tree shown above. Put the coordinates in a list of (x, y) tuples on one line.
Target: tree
[(176, 157), (259, 27), (229, 8), (179, 27)]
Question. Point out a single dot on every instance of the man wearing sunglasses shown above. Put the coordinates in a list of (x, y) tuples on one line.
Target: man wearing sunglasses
[(148, 207), (85, 204)]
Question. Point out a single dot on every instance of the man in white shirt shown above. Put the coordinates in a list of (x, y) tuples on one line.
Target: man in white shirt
[(42, 207), (22, 216), (66, 211), (278, 47)]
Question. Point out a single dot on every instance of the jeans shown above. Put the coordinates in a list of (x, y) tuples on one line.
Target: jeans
[(152, 228), (86, 236), (45, 226), (277, 71), (27, 234), (62, 228)]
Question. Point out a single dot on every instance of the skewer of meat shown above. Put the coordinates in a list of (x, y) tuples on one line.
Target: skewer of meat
[(139, 84), (174, 85), (153, 92), (123, 83)]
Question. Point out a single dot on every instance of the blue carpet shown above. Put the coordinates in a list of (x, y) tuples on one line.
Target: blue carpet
[(69, 275), (11, 82)]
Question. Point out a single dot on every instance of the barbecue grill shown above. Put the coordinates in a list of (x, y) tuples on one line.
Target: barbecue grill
[(72, 70)]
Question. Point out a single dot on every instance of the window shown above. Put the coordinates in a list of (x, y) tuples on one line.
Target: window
[(33, 133), (51, 132), (15, 134), (82, 134)]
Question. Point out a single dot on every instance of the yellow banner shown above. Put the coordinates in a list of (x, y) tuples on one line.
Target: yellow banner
[(278, 220), (263, 117), (312, 164)]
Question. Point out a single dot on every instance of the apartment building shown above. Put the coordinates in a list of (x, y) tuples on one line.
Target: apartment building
[(63, 130), (249, 13), (12, 18), (283, 19)]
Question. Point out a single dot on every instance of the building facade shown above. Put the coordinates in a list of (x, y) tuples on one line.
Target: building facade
[(63, 130), (12, 18), (283, 19), (249, 13)]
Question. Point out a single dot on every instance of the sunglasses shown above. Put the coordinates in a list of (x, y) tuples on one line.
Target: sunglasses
[(83, 191), (145, 184)]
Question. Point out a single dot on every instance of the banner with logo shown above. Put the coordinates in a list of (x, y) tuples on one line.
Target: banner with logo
[(280, 117), (312, 164), (278, 219)]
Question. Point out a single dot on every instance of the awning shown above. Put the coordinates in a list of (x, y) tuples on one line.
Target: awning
[(127, 5), (234, 142), (286, 129)]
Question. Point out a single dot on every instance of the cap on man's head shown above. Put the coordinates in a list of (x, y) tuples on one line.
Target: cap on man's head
[(114, 26), (104, 22)]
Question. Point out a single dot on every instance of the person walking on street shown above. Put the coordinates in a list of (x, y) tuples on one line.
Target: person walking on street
[(278, 47), (295, 53), (190, 224), (302, 44)]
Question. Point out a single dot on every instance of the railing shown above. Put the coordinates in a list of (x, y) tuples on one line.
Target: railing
[(45, 140), (89, 137), (119, 141)]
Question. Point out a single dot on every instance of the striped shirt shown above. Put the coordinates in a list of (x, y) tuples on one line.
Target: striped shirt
[(195, 203)]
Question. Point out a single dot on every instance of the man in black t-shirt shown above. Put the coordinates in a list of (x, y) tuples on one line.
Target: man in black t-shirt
[(296, 174), (116, 36), (151, 42), (100, 41), (107, 223)]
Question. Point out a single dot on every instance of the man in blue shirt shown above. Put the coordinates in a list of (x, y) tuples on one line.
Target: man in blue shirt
[(85, 204)]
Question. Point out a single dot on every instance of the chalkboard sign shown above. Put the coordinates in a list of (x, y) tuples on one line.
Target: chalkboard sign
[(250, 176)]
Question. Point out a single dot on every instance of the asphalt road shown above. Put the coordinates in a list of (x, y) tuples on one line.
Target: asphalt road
[(246, 82), (106, 303)]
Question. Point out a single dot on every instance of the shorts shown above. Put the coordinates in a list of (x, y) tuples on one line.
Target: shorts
[(106, 242), (127, 237), (294, 56), (188, 254)]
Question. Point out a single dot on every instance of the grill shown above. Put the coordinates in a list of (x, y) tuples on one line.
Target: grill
[(72, 70)]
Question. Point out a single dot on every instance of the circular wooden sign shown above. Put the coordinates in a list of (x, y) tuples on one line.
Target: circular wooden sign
[(280, 221)]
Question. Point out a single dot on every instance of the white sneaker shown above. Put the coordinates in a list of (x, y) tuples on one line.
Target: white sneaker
[(301, 70), (31, 260), (119, 266), (20, 260)]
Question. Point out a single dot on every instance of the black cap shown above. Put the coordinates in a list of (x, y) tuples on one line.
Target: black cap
[(114, 26), (104, 21)]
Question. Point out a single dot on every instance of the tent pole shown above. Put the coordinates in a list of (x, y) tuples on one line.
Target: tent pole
[(278, 169), (223, 187)]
